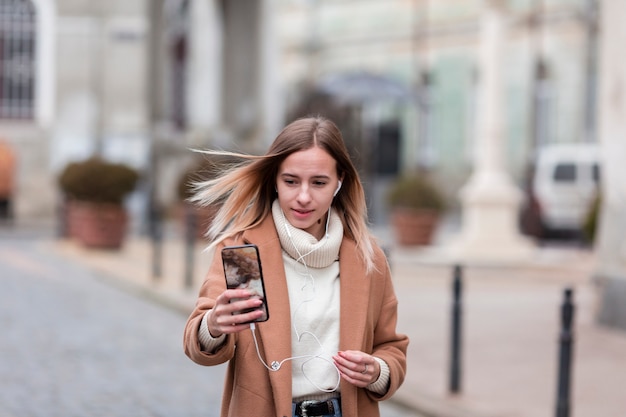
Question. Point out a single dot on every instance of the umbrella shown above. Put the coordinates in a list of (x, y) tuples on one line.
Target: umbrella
[(363, 87)]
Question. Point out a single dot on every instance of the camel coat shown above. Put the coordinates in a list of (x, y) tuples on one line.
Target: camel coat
[(368, 316)]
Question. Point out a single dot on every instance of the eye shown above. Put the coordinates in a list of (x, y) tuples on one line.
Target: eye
[(319, 183), (289, 181)]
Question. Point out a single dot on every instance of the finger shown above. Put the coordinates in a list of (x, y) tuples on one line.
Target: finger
[(355, 378), (355, 360), (354, 372), (236, 294)]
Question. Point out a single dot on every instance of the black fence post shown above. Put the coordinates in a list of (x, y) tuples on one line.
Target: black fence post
[(566, 340), (190, 244), (457, 315)]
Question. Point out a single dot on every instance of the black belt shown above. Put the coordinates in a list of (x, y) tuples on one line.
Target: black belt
[(310, 408)]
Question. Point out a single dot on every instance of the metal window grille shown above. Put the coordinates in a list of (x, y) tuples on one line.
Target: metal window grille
[(17, 59)]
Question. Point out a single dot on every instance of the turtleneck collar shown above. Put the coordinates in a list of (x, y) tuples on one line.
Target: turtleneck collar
[(304, 247)]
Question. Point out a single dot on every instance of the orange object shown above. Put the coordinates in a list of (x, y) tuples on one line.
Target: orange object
[(7, 170)]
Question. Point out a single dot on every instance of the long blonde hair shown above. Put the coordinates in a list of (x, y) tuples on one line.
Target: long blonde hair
[(246, 190)]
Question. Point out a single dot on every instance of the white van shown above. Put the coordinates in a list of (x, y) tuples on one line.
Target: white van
[(564, 185)]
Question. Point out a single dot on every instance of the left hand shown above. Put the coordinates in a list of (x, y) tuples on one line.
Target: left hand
[(356, 367)]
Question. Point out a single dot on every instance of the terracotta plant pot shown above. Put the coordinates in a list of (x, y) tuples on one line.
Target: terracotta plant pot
[(98, 225), (414, 227)]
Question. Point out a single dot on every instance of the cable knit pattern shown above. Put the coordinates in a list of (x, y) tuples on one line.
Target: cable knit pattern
[(315, 253), (312, 270), (208, 342)]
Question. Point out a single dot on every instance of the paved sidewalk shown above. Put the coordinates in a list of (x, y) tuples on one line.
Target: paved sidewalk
[(510, 327)]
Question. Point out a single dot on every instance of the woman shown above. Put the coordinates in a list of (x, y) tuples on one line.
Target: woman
[(330, 347)]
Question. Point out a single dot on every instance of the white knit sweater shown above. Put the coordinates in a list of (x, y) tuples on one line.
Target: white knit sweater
[(312, 270)]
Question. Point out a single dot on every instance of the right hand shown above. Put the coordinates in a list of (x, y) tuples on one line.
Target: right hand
[(224, 318)]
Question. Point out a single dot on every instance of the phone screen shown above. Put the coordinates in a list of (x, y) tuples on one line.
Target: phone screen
[(242, 269)]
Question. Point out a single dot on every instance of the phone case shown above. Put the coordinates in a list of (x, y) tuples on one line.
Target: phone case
[(242, 269)]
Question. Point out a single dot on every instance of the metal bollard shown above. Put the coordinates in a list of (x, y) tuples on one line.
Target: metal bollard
[(566, 340), (190, 245), (457, 314)]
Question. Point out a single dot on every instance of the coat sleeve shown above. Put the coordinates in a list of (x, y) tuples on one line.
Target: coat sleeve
[(213, 285), (389, 345)]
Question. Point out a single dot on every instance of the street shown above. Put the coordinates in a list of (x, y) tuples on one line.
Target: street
[(72, 345)]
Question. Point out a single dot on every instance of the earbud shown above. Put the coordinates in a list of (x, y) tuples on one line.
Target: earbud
[(338, 188)]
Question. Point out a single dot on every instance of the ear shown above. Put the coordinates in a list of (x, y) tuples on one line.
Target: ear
[(338, 188)]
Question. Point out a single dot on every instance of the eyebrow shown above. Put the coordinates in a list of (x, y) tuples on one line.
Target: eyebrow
[(315, 177)]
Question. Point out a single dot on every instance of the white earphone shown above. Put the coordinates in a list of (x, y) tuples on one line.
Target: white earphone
[(338, 188)]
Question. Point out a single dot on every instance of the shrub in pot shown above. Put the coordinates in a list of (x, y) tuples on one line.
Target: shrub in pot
[(95, 190), (416, 205)]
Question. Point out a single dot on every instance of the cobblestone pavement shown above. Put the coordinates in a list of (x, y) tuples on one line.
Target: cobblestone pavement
[(73, 345)]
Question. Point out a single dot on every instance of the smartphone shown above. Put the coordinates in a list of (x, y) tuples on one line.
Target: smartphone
[(242, 269)]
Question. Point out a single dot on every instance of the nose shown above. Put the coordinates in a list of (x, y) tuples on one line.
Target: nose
[(304, 195)]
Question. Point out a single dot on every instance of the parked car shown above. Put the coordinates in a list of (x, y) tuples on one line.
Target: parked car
[(564, 183)]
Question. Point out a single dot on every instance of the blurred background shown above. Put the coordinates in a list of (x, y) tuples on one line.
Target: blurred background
[(143, 82), (506, 118)]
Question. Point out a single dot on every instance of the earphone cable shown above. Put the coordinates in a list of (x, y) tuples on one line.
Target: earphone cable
[(275, 367)]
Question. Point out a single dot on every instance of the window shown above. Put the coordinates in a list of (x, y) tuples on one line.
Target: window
[(565, 172), (17, 59)]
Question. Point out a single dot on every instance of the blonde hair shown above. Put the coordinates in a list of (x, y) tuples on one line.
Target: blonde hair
[(245, 191)]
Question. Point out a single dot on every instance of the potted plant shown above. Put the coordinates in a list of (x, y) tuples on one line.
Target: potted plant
[(193, 216), (416, 205), (94, 191)]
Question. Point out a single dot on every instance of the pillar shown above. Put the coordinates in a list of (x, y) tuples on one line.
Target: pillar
[(610, 246), (490, 200)]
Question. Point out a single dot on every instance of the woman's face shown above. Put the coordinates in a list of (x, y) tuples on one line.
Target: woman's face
[(306, 183)]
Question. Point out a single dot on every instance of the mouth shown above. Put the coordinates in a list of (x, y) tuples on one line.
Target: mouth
[(300, 213)]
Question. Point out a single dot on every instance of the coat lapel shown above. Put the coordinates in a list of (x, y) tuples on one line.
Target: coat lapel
[(274, 335), (355, 289)]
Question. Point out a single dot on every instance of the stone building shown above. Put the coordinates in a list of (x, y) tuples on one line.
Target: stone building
[(143, 81), (138, 82), (431, 50)]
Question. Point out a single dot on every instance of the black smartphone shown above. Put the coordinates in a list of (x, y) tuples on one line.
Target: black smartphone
[(242, 269)]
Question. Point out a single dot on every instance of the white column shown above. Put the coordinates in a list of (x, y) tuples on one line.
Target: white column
[(611, 239), (272, 101), (490, 200), (204, 69), (46, 68)]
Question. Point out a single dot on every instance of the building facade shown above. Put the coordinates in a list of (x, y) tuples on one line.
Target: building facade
[(143, 81), (431, 48), (137, 82)]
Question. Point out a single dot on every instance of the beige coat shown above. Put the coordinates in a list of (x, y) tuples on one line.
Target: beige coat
[(368, 323)]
